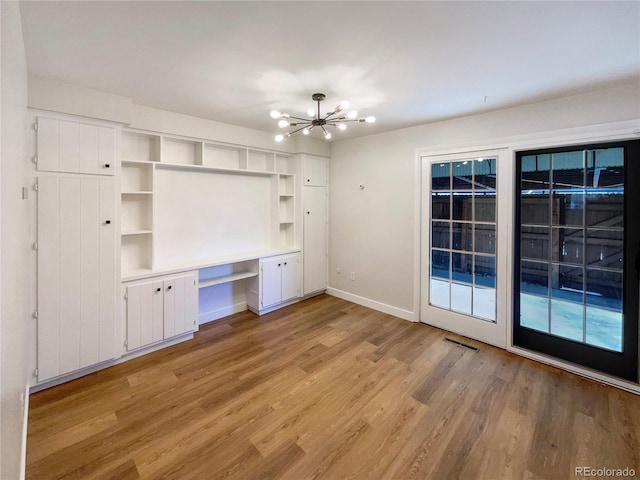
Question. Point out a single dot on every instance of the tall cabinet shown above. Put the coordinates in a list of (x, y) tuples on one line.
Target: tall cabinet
[(315, 223), (76, 246)]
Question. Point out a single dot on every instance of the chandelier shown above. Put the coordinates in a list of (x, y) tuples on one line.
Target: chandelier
[(332, 119)]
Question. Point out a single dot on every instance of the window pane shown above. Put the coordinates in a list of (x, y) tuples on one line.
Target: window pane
[(440, 206), (440, 293), (534, 242), (440, 232), (534, 312), (484, 303), (485, 238), (605, 208), (604, 289), (534, 278), (484, 170), (568, 170), (440, 264), (535, 187), (484, 272), (462, 175), (461, 267), (566, 320), (440, 176), (568, 245), (567, 283), (461, 236), (485, 203), (605, 168), (461, 298), (463, 206), (604, 328), (605, 248)]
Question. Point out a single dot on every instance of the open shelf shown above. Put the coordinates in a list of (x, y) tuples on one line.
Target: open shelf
[(179, 151), (140, 147), (135, 232), (226, 279)]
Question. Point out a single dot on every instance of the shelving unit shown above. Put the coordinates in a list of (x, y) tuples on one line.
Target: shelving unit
[(143, 153)]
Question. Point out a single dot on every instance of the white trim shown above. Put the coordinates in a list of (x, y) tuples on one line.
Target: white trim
[(25, 420), (379, 306), (573, 368)]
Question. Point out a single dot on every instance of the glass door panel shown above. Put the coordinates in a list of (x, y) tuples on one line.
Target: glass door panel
[(577, 293)]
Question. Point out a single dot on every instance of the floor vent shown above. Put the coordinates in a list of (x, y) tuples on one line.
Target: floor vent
[(460, 344)]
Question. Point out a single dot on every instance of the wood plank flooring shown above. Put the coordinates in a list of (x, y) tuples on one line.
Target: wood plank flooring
[(326, 389)]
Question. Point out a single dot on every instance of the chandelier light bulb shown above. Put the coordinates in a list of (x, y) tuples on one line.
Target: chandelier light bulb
[(279, 138), (305, 131), (342, 126), (327, 135), (275, 114), (311, 112), (352, 114), (344, 105), (370, 119), (283, 123)]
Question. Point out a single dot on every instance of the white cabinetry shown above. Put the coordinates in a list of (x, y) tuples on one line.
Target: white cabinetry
[(161, 308), (314, 171), (72, 147), (77, 282), (315, 224), (314, 239), (278, 282)]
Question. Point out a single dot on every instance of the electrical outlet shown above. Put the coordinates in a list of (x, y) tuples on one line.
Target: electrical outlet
[(338, 271), (352, 275)]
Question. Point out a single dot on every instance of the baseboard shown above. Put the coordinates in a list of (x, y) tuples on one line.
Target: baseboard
[(366, 302), (25, 420), (221, 312)]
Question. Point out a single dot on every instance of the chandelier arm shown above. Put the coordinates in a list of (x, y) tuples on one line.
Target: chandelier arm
[(297, 130), (337, 121), (299, 118)]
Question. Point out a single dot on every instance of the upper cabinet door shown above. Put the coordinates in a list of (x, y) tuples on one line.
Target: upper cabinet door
[(72, 147), (315, 171)]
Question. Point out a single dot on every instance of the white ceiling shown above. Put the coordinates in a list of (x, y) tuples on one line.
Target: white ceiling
[(407, 63)]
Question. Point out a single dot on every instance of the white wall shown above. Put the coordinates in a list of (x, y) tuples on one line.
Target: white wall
[(372, 231), (14, 241), (56, 96)]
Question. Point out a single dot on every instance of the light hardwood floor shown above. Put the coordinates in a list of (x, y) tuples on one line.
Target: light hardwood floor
[(330, 390)]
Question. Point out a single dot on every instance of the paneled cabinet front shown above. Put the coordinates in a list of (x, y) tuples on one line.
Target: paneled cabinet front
[(77, 285), (160, 309), (279, 279), (73, 147)]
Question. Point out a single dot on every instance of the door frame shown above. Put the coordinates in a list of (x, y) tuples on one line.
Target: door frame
[(493, 333), (609, 132)]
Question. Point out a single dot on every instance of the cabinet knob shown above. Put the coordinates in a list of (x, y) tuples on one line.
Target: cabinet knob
[(285, 264), (108, 222), (308, 179), (279, 264), (308, 212), (169, 287), (106, 165), (158, 289)]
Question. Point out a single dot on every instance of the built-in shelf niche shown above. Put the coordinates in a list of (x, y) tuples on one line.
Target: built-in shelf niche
[(220, 156), (286, 185), (136, 177), (230, 272), (136, 253), (141, 147), (261, 161), (286, 209), (178, 151), (287, 235), (136, 214)]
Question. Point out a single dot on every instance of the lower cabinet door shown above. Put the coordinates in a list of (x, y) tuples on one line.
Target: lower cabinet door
[(271, 281), (180, 305), (144, 314), (290, 277)]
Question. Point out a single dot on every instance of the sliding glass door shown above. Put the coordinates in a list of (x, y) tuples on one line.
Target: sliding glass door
[(577, 245)]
